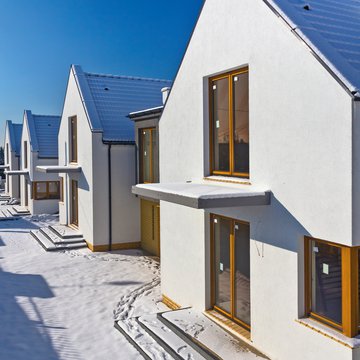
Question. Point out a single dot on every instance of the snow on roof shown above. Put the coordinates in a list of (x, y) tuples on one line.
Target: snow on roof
[(43, 132), (15, 131), (109, 99), (332, 29)]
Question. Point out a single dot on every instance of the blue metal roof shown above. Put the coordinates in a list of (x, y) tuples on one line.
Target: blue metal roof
[(43, 132), (109, 99), (331, 28), (15, 131)]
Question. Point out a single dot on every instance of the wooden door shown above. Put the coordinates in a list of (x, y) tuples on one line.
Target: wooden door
[(26, 193), (150, 227), (231, 269), (74, 203)]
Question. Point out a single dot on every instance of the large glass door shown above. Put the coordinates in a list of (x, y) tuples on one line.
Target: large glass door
[(231, 268)]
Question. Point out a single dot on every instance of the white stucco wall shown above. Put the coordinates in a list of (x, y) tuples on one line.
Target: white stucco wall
[(300, 148), (74, 107), (14, 164)]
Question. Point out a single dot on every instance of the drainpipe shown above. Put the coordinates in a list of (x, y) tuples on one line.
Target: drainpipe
[(110, 200)]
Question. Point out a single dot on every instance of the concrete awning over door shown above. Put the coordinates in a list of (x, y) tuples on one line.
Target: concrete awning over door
[(202, 195), (55, 169), (16, 172)]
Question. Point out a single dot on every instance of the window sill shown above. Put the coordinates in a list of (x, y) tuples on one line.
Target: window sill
[(228, 179), (330, 333)]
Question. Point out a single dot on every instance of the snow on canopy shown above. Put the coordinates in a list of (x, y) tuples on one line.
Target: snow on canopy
[(109, 99), (332, 29)]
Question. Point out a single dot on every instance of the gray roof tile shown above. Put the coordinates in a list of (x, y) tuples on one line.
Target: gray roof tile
[(114, 97), (332, 29)]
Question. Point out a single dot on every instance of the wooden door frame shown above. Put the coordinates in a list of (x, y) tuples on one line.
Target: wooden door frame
[(232, 267), (74, 184)]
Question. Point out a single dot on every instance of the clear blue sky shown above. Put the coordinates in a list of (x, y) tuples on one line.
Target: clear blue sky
[(40, 39)]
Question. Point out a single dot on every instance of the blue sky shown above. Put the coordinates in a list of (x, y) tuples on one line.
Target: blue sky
[(39, 39)]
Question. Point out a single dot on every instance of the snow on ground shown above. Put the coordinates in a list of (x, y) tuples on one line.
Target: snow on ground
[(63, 305)]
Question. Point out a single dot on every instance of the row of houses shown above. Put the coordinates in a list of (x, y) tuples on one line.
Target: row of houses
[(246, 183)]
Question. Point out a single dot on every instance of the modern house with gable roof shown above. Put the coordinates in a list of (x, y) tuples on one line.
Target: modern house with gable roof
[(97, 156), (260, 174), (40, 192), (12, 149)]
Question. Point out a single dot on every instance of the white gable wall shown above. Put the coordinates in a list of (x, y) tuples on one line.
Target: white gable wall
[(74, 107), (300, 148), (14, 164)]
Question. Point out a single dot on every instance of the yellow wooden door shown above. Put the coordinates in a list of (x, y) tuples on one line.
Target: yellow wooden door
[(150, 227)]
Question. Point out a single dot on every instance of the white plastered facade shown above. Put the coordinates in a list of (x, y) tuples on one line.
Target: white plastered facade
[(49, 206), (302, 144), (93, 181), (12, 184)]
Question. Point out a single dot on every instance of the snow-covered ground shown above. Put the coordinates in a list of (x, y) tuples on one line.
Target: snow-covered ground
[(63, 305)]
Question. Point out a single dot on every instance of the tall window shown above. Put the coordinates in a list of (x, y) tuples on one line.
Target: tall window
[(231, 268), (229, 123), (332, 290), (46, 190), (7, 154), (73, 140), (25, 155), (149, 167)]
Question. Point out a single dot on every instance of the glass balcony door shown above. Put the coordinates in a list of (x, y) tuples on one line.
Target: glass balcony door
[(231, 269)]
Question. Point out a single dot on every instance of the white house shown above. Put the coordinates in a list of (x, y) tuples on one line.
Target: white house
[(97, 156), (40, 192), (12, 150), (260, 174)]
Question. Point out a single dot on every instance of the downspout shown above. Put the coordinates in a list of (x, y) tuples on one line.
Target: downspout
[(110, 195)]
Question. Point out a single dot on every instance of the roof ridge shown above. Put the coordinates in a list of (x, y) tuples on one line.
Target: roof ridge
[(46, 115), (126, 77)]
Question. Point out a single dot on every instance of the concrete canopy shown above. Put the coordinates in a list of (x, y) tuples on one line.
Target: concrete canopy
[(203, 195), (53, 169)]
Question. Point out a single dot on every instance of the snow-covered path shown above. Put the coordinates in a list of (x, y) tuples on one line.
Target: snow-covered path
[(62, 305)]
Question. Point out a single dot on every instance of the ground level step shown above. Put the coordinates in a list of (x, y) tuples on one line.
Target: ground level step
[(65, 232), (22, 210), (48, 245), (196, 329), (58, 240), (13, 212), (141, 340), (171, 342)]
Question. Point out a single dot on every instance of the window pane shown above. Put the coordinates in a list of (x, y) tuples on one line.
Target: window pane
[(155, 165), (222, 264), (54, 190), (326, 281), (40, 190), (220, 125), (242, 272), (241, 122), (146, 153)]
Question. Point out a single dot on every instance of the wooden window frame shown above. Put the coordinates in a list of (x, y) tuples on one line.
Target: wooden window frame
[(7, 153), (141, 161), (73, 148), (48, 193), (349, 288), (232, 262), (61, 189), (229, 75), (25, 154)]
